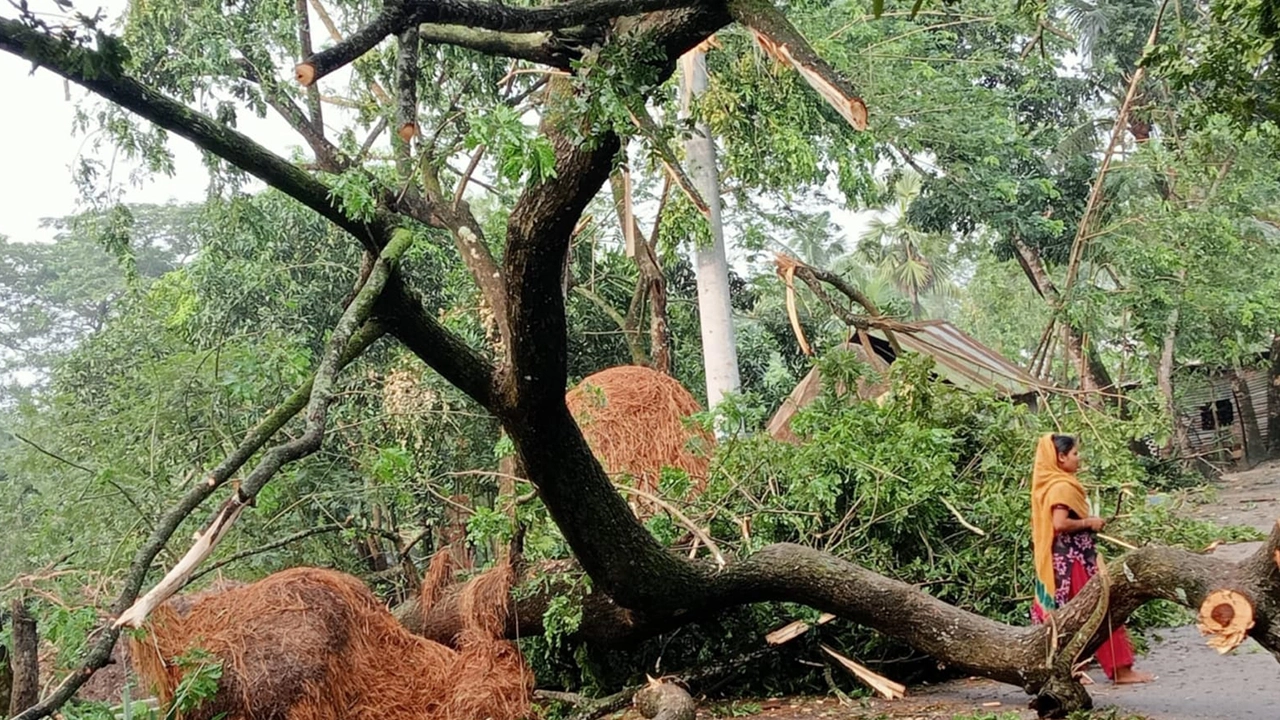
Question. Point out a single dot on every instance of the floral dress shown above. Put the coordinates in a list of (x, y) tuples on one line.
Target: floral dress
[(1075, 560)]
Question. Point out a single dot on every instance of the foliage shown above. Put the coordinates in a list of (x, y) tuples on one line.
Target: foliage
[(1192, 233), (1226, 63), (890, 486)]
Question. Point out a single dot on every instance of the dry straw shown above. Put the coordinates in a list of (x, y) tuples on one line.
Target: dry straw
[(636, 421), (312, 644)]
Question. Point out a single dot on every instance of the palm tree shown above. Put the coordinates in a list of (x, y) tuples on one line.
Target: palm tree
[(915, 262)]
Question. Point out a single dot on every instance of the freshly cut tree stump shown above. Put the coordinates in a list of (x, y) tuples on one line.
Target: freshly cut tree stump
[(1226, 616), (665, 701)]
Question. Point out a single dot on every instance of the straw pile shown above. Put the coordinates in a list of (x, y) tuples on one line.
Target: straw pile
[(312, 644), (635, 420)]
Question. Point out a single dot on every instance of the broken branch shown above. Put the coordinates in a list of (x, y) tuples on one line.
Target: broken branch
[(317, 413), (781, 41)]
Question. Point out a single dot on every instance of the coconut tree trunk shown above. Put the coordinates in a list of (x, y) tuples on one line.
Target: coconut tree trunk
[(715, 312)]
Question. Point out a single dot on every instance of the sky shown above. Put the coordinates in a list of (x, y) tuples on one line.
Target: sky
[(40, 147)]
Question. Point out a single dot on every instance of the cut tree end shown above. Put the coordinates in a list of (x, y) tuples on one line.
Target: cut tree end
[(408, 131), (305, 74), (1226, 616), (660, 700)]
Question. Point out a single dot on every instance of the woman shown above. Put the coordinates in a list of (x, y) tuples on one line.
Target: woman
[(1062, 534)]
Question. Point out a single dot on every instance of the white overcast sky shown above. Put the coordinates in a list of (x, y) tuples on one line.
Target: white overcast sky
[(40, 149)]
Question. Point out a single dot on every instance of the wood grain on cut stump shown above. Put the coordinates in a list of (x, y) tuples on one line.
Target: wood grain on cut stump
[(1226, 617)]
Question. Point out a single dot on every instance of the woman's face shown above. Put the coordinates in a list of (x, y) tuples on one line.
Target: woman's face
[(1070, 461)]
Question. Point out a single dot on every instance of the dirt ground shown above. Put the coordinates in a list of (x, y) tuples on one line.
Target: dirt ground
[(1192, 682)]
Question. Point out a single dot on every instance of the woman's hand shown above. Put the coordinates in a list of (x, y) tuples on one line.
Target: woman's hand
[(1064, 523)]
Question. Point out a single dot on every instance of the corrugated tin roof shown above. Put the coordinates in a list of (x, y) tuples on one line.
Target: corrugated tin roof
[(963, 361)]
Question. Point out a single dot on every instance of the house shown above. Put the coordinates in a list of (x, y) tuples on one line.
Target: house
[(958, 359), (1224, 413)]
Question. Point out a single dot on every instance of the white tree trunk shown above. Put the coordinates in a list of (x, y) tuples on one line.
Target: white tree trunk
[(715, 313)]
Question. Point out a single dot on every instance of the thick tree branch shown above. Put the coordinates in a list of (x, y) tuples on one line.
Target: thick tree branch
[(71, 62), (399, 15), (443, 351), (455, 214), (784, 43), (412, 324), (612, 546), (542, 47)]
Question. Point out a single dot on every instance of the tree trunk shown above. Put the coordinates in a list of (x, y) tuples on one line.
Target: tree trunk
[(1254, 450), (1164, 381), (1029, 657), (6, 678), (26, 660), (715, 311), (1094, 377)]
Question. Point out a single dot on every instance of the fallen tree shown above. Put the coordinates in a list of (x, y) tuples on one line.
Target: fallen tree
[(525, 388)]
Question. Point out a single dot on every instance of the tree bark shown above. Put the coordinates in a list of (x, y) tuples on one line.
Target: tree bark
[(1094, 377), (1164, 381), (25, 660), (715, 311)]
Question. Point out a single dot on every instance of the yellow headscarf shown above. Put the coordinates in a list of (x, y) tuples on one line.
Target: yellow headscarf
[(1050, 485)]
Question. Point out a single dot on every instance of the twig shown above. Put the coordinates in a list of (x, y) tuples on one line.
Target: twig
[(53, 455), (466, 176), (302, 535), (1118, 541), (119, 488), (960, 518), (681, 518), (1117, 130)]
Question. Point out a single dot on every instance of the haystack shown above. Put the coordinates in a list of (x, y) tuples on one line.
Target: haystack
[(313, 644), (636, 421)]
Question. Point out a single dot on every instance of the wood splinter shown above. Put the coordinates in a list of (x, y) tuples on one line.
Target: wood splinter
[(1226, 616), (881, 684)]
